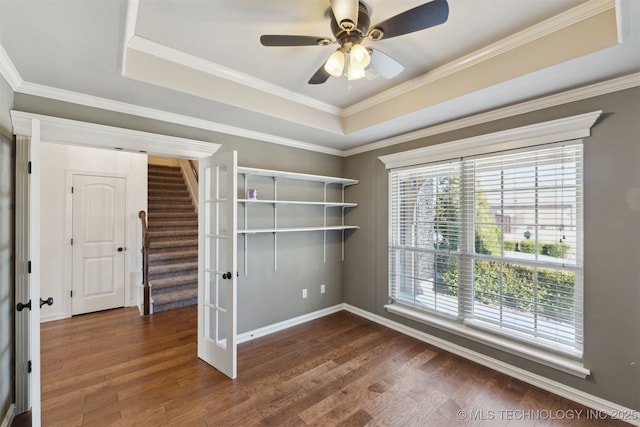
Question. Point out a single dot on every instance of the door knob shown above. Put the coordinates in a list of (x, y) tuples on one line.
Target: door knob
[(22, 306), (48, 301), (120, 249)]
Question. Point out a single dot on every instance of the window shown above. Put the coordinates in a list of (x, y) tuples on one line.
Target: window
[(493, 242), (485, 239)]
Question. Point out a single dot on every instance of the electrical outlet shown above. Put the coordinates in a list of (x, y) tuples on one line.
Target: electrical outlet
[(304, 293), (322, 288)]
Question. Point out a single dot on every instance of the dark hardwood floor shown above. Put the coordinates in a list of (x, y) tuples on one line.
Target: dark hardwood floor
[(117, 368)]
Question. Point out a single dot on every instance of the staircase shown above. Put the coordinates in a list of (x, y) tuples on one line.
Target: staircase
[(173, 232)]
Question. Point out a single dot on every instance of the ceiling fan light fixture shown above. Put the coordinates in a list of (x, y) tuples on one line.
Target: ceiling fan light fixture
[(335, 64), (355, 73), (346, 13), (359, 56)]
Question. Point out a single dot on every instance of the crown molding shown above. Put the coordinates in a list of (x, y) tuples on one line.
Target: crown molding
[(129, 31), (173, 55), (13, 78), (556, 23), (150, 113), (597, 89), (8, 70)]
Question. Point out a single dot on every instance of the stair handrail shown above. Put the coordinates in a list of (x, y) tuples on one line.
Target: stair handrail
[(194, 168), (146, 241)]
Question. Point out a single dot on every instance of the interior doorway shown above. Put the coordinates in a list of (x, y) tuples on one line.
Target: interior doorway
[(31, 131)]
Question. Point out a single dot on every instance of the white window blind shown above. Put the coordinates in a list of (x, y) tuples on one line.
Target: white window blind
[(493, 241)]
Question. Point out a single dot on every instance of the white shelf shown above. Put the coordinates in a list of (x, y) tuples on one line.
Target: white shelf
[(297, 176), (297, 229), (276, 202), (298, 202)]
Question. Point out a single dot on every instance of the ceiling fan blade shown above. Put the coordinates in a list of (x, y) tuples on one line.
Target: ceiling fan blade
[(320, 76), (385, 65), (288, 40), (419, 18)]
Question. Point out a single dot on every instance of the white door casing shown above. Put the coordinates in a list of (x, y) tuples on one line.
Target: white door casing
[(99, 236), (30, 127), (34, 282), (217, 263)]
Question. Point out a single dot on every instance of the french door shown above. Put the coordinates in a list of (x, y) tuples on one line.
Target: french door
[(217, 263), (27, 270)]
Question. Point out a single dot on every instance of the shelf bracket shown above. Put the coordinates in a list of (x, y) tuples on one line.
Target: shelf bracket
[(246, 226)]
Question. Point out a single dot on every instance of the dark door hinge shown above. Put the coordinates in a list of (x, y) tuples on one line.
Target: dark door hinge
[(72, 241), (29, 168), (29, 367), (71, 293), (29, 267)]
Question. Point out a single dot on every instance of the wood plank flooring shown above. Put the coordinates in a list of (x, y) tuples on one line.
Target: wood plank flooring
[(117, 368)]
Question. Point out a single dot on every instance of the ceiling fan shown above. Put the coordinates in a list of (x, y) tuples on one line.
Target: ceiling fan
[(350, 21)]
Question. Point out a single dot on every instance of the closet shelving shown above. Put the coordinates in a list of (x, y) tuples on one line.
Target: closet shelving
[(279, 224)]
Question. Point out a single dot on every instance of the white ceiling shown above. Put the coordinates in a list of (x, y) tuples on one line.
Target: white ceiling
[(202, 60)]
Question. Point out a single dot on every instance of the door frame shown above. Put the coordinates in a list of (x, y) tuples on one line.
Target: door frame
[(46, 129)]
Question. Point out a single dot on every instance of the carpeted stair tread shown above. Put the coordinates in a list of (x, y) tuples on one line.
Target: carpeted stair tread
[(167, 185), (170, 200), (190, 278), (167, 256), (166, 285), (177, 234), (193, 222), (161, 207), (172, 216), (155, 171), (177, 299), (173, 296), (175, 226), (162, 179), (168, 244), (173, 268), (168, 191)]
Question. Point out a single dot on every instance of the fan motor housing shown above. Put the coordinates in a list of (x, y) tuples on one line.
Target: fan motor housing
[(348, 34)]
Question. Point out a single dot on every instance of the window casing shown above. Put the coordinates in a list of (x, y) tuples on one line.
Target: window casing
[(493, 242)]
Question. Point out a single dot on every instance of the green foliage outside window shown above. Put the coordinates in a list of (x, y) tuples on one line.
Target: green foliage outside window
[(552, 294), (521, 288)]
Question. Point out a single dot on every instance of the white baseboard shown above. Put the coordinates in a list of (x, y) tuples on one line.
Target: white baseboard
[(8, 417), (266, 330), (52, 317), (598, 404)]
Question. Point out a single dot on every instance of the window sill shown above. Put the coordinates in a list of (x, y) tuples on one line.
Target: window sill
[(560, 361)]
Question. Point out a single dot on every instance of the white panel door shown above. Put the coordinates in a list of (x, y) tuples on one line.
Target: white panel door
[(217, 264), (99, 236)]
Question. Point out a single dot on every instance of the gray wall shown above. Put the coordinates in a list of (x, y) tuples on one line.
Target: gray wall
[(265, 296), (612, 243), (7, 168), (612, 236)]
